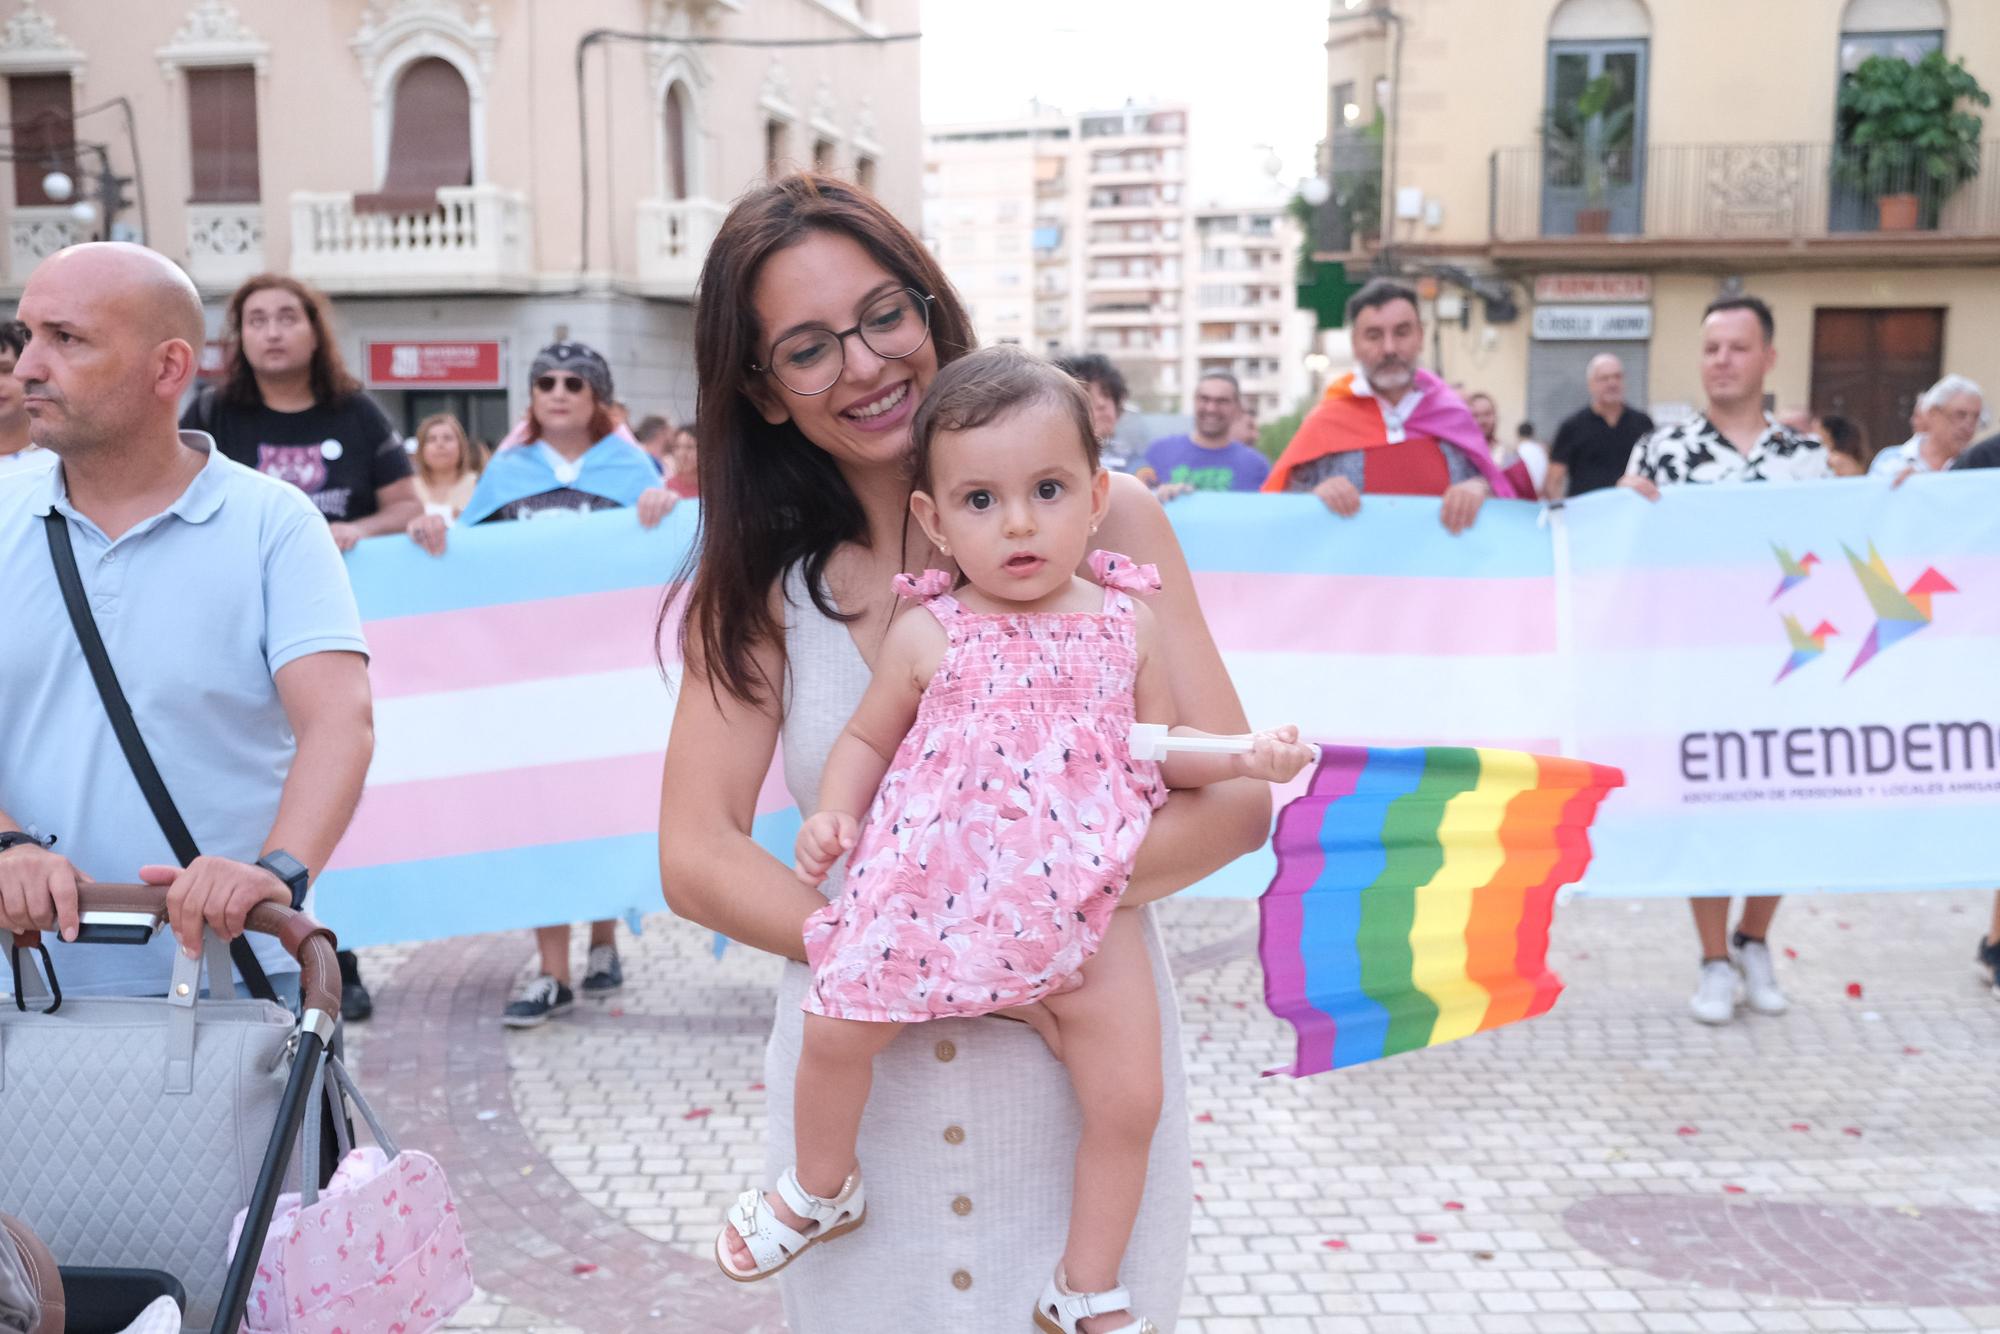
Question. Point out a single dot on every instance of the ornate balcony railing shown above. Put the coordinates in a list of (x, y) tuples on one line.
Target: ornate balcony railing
[(225, 243), (673, 237), (1735, 192), (35, 233), (475, 238)]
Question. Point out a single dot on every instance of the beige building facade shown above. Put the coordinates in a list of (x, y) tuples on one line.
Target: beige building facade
[(1712, 166), (1079, 232), (439, 167)]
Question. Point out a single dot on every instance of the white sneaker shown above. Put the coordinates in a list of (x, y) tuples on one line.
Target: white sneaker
[(1760, 979), (1716, 997)]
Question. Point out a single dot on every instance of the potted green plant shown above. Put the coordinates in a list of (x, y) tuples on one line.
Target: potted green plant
[(1574, 154), (1904, 139)]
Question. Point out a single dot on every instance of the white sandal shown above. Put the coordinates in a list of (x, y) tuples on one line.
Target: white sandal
[(771, 1244), (1060, 1310)]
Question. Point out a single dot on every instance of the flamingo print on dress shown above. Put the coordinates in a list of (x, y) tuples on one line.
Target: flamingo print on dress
[(1005, 829)]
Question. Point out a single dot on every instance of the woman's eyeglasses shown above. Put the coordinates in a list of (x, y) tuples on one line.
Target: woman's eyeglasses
[(570, 383), (893, 326)]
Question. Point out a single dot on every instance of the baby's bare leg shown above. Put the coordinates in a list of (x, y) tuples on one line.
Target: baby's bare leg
[(836, 1069), (1110, 1032)]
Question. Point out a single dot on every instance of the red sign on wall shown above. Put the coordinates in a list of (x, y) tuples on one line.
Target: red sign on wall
[(434, 365)]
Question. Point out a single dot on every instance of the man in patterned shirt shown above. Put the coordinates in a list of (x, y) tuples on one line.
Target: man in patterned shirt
[(1733, 440)]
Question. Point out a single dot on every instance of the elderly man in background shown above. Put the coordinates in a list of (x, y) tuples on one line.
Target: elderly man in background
[(1594, 443), (1388, 427), (1949, 414)]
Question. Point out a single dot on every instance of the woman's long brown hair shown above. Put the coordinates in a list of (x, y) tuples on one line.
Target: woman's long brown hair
[(329, 378), (770, 498)]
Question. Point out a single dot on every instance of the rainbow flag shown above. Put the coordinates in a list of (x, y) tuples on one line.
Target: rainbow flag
[(1413, 895)]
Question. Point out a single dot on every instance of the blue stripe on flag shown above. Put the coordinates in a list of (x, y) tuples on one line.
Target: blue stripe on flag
[(1350, 836)]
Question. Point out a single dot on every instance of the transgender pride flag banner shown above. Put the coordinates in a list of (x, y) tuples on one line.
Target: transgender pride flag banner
[(521, 721), (1784, 724)]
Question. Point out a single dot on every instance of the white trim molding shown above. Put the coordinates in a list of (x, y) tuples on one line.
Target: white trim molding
[(775, 96), (395, 34), (822, 121), (865, 142), (213, 36), (32, 44)]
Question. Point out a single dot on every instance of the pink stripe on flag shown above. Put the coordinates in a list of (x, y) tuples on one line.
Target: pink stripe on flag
[(1336, 613), (516, 808), (515, 641)]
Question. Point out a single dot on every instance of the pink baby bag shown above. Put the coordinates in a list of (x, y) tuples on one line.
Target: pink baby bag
[(381, 1251)]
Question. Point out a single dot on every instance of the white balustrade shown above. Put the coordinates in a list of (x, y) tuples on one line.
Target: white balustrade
[(673, 240), (225, 243), (35, 233), (475, 238)]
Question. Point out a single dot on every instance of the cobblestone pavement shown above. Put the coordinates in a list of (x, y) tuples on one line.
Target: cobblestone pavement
[(1610, 1167)]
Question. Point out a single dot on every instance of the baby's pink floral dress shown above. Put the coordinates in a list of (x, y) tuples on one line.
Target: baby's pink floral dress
[(1005, 830)]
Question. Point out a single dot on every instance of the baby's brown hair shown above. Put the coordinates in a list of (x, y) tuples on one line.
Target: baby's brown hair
[(986, 385)]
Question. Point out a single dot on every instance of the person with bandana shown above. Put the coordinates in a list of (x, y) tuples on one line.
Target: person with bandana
[(575, 461)]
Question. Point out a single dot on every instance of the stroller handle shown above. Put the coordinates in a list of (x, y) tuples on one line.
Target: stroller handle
[(303, 938)]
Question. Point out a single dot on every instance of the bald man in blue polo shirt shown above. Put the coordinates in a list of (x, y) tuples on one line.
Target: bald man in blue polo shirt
[(224, 609)]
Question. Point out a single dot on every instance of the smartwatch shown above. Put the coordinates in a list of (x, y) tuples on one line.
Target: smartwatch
[(289, 869), (14, 838)]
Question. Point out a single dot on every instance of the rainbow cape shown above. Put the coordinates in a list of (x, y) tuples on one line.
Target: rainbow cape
[(1413, 895), (1343, 420)]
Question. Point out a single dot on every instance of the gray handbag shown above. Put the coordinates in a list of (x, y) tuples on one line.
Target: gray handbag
[(134, 1129)]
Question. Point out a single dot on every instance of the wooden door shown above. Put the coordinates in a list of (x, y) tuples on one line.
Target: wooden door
[(1870, 365)]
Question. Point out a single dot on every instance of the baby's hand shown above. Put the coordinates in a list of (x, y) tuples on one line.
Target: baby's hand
[(823, 840), (1276, 756)]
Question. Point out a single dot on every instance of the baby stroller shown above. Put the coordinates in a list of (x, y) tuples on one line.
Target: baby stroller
[(132, 1130)]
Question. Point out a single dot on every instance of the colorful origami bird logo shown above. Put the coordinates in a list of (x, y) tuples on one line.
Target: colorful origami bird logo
[(1898, 615), (1796, 571), (1805, 647)]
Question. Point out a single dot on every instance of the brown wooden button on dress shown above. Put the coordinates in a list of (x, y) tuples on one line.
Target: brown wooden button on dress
[(946, 1049), (961, 1280), (961, 1206), (954, 1134)]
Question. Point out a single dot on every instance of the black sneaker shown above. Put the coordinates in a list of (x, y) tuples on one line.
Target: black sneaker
[(601, 973), (1989, 963), (540, 1001), (355, 1002)]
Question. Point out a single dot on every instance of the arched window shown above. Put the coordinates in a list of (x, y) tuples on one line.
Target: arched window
[(1911, 29), (1594, 118), (430, 134), (674, 112)]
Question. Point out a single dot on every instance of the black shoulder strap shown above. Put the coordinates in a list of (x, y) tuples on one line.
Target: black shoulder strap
[(127, 731)]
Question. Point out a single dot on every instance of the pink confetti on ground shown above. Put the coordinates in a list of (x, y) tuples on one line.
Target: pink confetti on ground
[(1801, 1126), (582, 1267), (1851, 1130), (1427, 1238), (1454, 1206), (1913, 1051), (758, 1087), (1732, 1190), (1854, 991), (1206, 1118), (1199, 1165), (1791, 953), (617, 1012), (697, 1113), (1685, 1131), (1334, 1244)]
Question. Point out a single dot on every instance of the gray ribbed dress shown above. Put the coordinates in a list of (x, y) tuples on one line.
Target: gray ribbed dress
[(969, 1140)]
